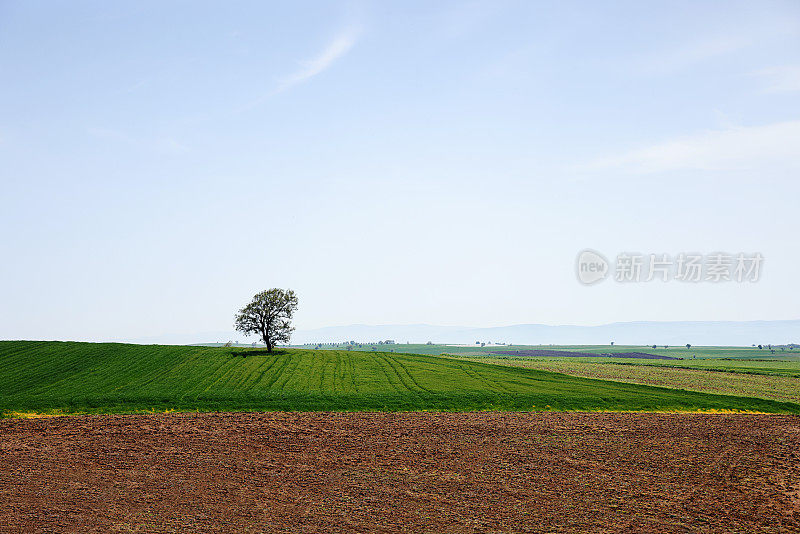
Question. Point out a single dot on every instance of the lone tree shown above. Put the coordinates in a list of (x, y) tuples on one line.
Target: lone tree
[(269, 315)]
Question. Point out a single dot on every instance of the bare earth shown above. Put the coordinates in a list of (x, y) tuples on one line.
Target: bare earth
[(412, 472)]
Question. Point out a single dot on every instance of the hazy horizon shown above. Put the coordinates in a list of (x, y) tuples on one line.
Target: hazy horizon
[(637, 333)]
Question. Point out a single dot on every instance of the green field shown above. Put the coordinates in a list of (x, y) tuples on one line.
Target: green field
[(68, 377), (742, 371)]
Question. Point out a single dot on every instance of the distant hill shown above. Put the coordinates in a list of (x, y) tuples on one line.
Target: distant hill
[(732, 333)]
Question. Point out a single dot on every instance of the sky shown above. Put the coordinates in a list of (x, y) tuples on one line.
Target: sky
[(392, 162)]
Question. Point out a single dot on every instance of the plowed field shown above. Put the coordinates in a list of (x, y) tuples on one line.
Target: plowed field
[(396, 472)]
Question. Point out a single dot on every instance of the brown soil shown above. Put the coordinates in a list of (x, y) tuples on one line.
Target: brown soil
[(406, 472), (547, 353)]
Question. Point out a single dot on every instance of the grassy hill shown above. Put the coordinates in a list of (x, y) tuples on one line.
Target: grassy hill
[(110, 377)]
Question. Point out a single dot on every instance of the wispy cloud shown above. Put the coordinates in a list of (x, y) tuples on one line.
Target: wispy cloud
[(752, 147), (781, 79), (337, 48)]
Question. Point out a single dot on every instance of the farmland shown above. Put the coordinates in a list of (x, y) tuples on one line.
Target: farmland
[(720, 370), (681, 352), (326, 455), (786, 368), (741, 371), (766, 385), (68, 377), (406, 472)]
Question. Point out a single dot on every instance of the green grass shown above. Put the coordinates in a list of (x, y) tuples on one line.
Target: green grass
[(73, 377)]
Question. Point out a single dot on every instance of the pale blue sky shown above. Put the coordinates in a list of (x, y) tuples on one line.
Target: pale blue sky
[(403, 162)]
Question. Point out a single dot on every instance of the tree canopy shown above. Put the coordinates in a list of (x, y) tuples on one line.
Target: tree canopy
[(269, 315)]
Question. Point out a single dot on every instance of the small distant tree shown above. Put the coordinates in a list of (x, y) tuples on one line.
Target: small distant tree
[(612, 343), (654, 346), (269, 315), (688, 346), (760, 347)]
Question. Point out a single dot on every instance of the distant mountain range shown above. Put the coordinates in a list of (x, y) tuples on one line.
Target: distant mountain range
[(736, 333)]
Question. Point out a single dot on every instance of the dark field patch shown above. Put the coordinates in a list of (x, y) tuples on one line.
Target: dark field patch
[(401, 472), (564, 353)]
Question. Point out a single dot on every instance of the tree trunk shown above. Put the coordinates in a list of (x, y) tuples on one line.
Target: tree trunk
[(266, 340)]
